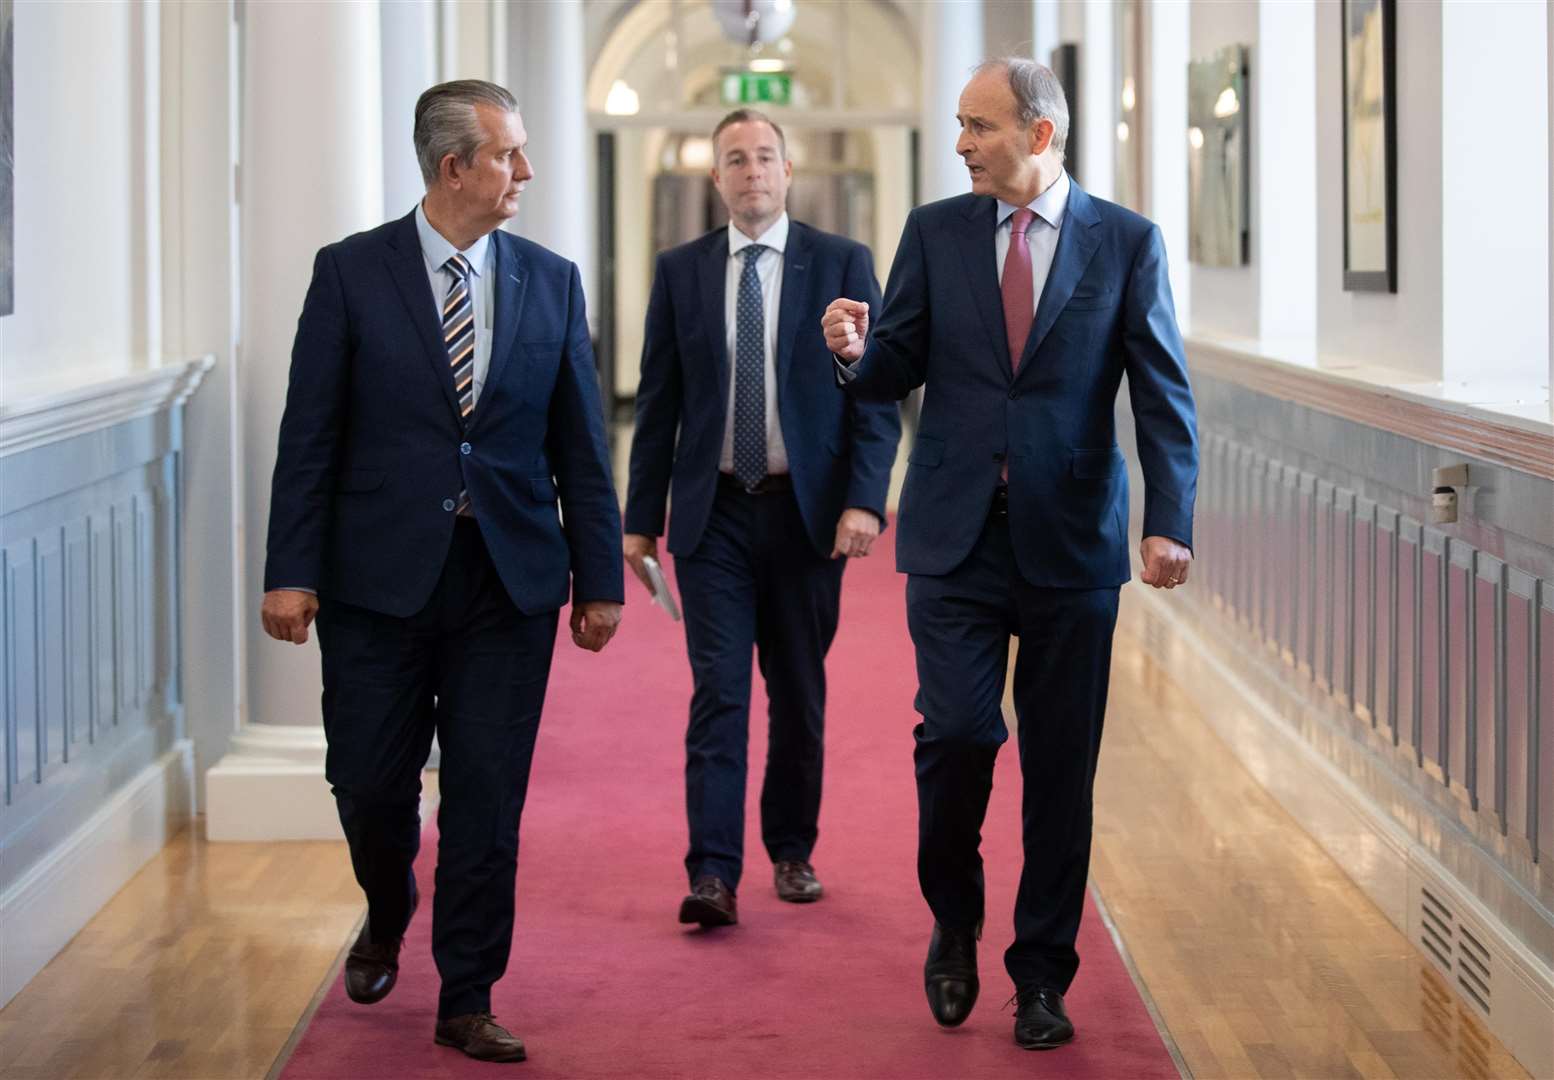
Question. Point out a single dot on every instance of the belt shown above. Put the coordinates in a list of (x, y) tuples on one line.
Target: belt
[(769, 484), (1000, 507)]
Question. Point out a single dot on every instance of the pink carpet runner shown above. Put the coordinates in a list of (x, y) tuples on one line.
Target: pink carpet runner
[(604, 982)]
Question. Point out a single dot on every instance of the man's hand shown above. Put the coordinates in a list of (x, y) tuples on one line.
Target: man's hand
[(846, 326), (287, 614), (639, 547), (1165, 562), (594, 623), (856, 531)]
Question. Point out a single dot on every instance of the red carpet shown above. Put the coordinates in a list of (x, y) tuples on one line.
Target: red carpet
[(604, 982)]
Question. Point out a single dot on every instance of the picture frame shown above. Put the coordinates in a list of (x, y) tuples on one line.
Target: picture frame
[(1219, 166), (1369, 102)]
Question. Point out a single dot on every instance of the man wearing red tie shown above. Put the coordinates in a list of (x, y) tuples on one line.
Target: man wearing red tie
[(1019, 308)]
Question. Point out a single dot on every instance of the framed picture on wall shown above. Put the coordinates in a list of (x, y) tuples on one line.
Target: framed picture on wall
[(1370, 145), (1218, 166)]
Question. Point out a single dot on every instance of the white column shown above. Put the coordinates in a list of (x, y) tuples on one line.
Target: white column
[(1284, 244), (1495, 285), (951, 47), (409, 41), (311, 152), (1044, 29), (1098, 104), (1165, 63), (547, 73)]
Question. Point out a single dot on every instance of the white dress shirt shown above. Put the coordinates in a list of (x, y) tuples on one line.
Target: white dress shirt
[(1041, 237), (769, 270), (436, 250)]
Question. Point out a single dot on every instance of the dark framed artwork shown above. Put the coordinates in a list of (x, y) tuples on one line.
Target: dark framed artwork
[(1370, 145)]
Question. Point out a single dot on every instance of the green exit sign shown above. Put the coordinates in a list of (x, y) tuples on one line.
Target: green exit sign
[(757, 88)]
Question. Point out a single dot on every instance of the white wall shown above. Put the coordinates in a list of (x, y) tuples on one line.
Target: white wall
[(200, 289), (84, 300), (1401, 331), (1225, 298), (1494, 254), (1284, 149)]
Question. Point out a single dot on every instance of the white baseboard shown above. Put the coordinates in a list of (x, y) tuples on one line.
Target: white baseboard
[(257, 801), (1491, 972), (271, 786), (58, 896)]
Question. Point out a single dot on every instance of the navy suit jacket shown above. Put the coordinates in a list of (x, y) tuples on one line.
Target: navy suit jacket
[(372, 449), (839, 451), (1105, 312)]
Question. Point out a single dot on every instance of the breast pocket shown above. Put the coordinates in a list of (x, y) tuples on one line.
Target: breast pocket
[(1089, 300)]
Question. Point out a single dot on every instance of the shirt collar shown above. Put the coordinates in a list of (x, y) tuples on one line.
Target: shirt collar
[(775, 237), (1050, 205), (437, 250)]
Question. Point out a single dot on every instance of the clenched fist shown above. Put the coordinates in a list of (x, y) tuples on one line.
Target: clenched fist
[(286, 614), (846, 326)]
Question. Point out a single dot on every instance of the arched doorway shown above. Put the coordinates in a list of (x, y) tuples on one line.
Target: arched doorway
[(654, 95)]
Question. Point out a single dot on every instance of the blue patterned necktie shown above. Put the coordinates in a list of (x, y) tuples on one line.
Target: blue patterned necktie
[(750, 375)]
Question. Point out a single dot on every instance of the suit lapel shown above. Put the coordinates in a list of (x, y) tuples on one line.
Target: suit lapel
[(1077, 241), (976, 243), (407, 266), (714, 293), (795, 291), (508, 290)]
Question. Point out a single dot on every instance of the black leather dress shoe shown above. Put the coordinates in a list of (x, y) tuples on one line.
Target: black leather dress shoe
[(796, 881), (711, 903), (372, 968), (1040, 1023), (950, 975)]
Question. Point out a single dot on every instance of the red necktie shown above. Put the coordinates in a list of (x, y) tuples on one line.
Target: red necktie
[(1019, 298)]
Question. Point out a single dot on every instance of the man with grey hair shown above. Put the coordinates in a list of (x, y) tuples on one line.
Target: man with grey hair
[(443, 405), (1019, 308)]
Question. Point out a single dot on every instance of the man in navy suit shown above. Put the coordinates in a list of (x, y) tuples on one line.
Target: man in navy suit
[(776, 480), (442, 404), (1019, 308)]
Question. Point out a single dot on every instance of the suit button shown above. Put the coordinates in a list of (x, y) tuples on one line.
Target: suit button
[(1013, 394), (448, 505), (465, 448), (998, 457)]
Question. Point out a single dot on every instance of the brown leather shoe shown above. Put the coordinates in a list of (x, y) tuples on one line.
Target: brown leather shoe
[(371, 970), (481, 1037), (711, 903), (796, 881)]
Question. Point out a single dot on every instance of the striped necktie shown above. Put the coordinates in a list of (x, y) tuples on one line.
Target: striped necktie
[(458, 334)]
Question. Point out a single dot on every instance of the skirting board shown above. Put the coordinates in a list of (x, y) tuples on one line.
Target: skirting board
[(1461, 939), (266, 800), (48, 906)]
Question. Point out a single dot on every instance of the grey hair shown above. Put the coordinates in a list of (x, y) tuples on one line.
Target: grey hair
[(1037, 95), (445, 122)]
